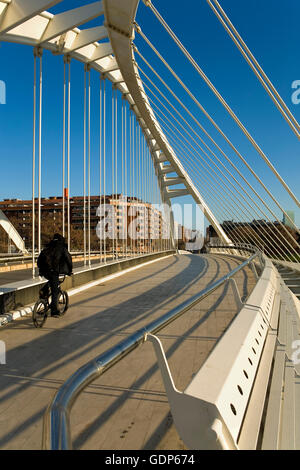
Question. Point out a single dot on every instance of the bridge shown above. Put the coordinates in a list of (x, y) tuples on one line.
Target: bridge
[(161, 348)]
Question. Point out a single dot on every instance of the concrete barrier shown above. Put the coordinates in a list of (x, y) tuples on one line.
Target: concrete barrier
[(222, 407)]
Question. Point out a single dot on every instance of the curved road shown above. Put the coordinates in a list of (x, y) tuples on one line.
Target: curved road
[(127, 407)]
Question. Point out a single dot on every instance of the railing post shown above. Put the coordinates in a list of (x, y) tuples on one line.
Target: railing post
[(261, 260), (252, 266), (236, 293)]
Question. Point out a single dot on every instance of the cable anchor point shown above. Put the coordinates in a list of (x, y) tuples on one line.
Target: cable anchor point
[(67, 58), (137, 28), (38, 51)]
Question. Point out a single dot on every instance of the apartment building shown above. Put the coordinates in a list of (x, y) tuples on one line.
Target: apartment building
[(119, 215)]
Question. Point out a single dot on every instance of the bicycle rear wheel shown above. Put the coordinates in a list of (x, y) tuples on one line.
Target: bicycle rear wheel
[(63, 302), (39, 314)]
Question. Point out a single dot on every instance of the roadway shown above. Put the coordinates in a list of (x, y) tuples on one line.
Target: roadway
[(127, 407)]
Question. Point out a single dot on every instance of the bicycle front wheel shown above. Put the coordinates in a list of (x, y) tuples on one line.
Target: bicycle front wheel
[(39, 314), (63, 302)]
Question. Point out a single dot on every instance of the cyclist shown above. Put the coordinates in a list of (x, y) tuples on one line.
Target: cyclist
[(54, 260)]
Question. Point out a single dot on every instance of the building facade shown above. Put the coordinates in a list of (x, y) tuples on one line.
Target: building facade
[(113, 219), (111, 216)]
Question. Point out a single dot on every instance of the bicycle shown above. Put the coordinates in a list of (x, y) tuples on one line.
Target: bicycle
[(42, 306)]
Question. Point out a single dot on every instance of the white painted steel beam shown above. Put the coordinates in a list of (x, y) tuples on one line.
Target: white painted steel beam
[(67, 20), (162, 158), (12, 232), (164, 170), (102, 50), (112, 67), (88, 36), (176, 192), (172, 181), (19, 11)]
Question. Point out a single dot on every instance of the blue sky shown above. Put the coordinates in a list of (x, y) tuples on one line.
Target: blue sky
[(271, 30)]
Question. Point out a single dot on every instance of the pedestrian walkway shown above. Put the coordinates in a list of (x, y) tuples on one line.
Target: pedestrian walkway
[(127, 407)]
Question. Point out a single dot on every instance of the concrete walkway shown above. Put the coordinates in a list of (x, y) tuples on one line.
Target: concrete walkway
[(127, 407)]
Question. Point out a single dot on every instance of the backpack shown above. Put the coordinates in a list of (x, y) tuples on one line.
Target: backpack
[(44, 261), (65, 265)]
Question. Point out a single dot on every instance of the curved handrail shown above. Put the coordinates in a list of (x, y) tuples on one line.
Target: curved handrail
[(56, 428), (238, 246)]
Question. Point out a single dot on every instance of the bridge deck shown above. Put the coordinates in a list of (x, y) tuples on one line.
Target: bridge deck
[(127, 407)]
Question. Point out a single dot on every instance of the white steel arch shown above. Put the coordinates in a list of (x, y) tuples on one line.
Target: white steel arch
[(30, 24), (120, 24), (12, 232)]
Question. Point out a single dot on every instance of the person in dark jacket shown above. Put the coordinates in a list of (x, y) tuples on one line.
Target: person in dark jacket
[(53, 261)]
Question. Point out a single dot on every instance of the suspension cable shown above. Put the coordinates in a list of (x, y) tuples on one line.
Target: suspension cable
[(116, 170), (100, 167), (68, 151), (84, 165), (219, 148), (188, 163), (255, 66), (33, 164), (206, 171), (89, 166), (122, 174), (40, 152), (64, 152), (113, 170), (126, 182), (220, 98), (210, 158), (219, 130), (104, 164)]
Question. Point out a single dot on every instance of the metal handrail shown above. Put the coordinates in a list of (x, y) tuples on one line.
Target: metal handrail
[(74, 254), (56, 425), (238, 246), (12, 258)]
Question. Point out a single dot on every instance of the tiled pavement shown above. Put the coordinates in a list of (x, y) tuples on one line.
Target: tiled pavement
[(127, 407)]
